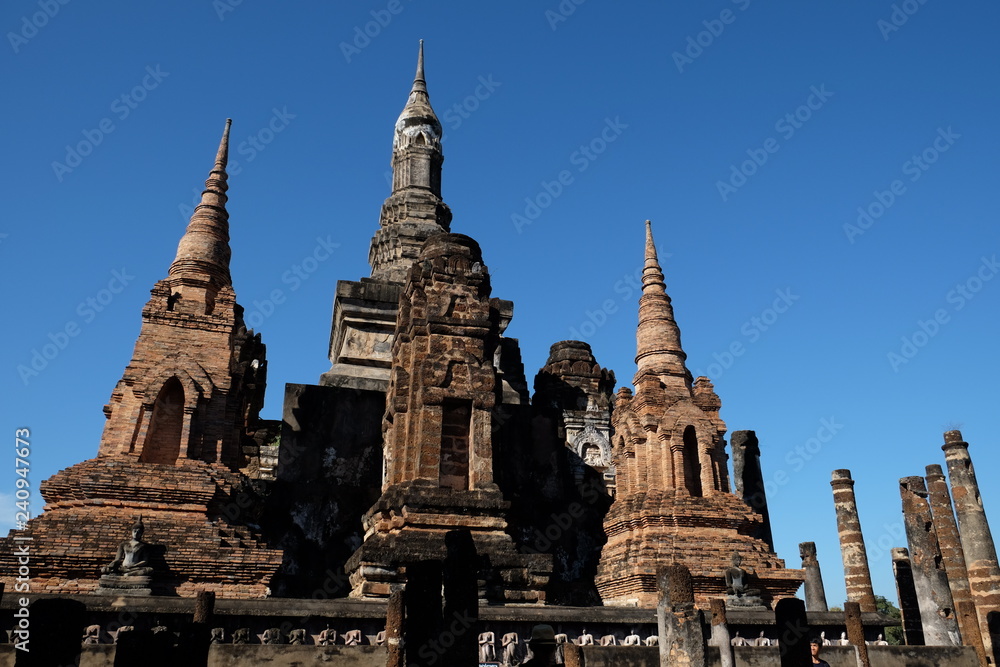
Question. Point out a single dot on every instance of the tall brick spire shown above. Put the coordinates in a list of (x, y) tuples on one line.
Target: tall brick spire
[(180, 424), (672, 475), (196, 380), (658, 349), (414, 211), (204, 252)]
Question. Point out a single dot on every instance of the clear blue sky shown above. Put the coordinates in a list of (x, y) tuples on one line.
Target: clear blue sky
[(649, 107)]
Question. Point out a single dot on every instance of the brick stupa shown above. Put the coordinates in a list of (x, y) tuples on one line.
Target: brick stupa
[(673, 502), (425, 329), (172, 444)]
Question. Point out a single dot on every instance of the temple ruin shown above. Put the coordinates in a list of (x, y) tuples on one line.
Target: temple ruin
[(420, 490)]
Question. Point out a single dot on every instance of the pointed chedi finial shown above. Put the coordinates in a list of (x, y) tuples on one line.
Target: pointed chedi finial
[(203, 252), (658, 349), (652, 274), (414, 210), (418, 81), (418, 105)]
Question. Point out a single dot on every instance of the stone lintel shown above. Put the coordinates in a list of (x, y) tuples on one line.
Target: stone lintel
[(361, 334)]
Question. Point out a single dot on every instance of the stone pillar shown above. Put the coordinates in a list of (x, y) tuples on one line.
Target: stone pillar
[(55, 628), (423, 613), (720, 632), (204, 607), (937, 609), (194, 641), (394, 628), (572, 655), (750, 479), (966, 613), (793, 630), (857, 577), (856, 632), (977, 541), (993, 626), (815, 593), (909, 607), (952, 555), (682, 643), (461, 599)]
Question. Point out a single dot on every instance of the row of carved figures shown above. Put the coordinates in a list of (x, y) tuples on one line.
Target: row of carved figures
[(514, 650), (92, 635), (764, 641)]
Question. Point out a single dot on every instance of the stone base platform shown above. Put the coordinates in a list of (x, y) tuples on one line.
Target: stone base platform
[(408, 524)]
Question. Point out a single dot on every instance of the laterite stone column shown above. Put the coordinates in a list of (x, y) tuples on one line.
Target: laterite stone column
[(815, 593), (857, 576), (952, 555), (909, 607), (977, 541), (937, 609)]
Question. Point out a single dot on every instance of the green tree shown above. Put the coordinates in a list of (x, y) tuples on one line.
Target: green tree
[(893, 633)]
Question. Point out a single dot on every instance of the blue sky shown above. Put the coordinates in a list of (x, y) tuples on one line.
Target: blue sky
[(818, 176)]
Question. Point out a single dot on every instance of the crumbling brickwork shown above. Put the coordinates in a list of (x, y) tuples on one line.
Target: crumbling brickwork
[(438, 450), (173, 443), (673, 501)]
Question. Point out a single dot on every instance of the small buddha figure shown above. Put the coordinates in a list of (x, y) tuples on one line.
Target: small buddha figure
[(271, 636), (736, 576), (487, 650), (737, 583), (327, 637), (297, 637), (92, 635), (115, 634), (511, 650), (218, 636), (131, 560), (632, 639)]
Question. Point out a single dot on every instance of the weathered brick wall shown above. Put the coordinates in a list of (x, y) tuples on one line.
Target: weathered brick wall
[(92, 505), (329, 473)]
